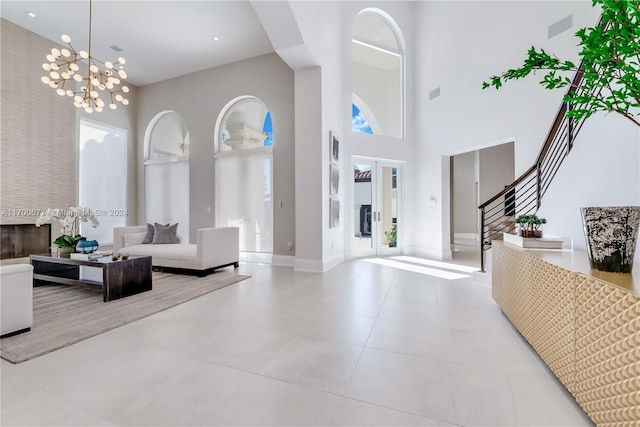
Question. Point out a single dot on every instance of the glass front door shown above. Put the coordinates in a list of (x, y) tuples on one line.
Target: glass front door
[(376, 207)]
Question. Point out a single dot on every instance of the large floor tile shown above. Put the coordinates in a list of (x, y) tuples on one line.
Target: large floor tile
[(116, 386), (541, 402), (482, 396), (410, 384), (493, 351), (270, 402), (488, 319), (51, 411), (355, 413), (192, 394), (416, 339), (318, 364), (413, 312), (235, 345), (340, 327), (413, 290)]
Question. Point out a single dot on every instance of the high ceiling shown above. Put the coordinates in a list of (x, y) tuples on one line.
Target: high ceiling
[(159, 39)]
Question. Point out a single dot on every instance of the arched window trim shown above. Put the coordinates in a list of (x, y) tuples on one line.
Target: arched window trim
[(147, 142), (366, 111), (395, 29), (222, 118), (377, 46)]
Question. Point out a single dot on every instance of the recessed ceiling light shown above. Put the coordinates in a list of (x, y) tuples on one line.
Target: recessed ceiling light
[(216, 38), (30, 14), (116, 48)]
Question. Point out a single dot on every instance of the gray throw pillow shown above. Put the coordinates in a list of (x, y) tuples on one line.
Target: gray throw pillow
[(165, 234), (149, 237)]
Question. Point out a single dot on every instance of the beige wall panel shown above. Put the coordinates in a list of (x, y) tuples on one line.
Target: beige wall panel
[(38, 132)]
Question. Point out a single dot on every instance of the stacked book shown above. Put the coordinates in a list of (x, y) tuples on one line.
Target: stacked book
[(93, 256)]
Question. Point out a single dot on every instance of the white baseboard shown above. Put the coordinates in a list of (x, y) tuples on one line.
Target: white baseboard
[(472, 236), (308, 265), (328, 265), (283, 260), (316, 266), (442, 255), (257, 257)]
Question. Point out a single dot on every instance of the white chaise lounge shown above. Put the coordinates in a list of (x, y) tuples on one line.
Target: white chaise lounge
[(215, 248), (16, 298)]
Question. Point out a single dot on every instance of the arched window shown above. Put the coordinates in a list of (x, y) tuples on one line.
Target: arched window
[(377, 73), (166, 171), (168, 137), (243, 164)]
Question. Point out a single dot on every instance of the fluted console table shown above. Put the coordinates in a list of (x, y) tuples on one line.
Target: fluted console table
[(584, 324)]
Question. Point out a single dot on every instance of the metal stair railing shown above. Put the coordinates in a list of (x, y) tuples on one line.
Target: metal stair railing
[(524, 195)]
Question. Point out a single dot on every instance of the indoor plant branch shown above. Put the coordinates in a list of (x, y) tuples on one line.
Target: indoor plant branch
[(610, 65)]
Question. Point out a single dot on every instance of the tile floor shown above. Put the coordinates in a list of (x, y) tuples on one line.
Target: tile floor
[(391, 342)]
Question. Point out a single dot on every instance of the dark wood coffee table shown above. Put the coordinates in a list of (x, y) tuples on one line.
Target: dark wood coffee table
[(119, 279)]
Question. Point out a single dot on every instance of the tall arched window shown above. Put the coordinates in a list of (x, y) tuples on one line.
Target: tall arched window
[(244, 147), (166, 171), (377, 73)]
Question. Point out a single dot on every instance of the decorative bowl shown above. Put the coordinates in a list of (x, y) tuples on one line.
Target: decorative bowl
[(87, 246)]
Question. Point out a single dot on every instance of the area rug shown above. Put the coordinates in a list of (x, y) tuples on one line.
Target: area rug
[(64, 315)]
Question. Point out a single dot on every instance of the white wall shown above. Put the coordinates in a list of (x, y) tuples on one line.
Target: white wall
[(601, 170), (460, 45)]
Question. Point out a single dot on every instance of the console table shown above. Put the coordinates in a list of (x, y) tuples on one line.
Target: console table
[(120, 278), (584, 324)]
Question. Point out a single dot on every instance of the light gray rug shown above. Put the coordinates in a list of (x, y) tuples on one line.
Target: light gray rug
[(64, 315)]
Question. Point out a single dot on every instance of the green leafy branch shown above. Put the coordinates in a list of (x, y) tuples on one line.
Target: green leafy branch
[(68, 241), (610, 65)]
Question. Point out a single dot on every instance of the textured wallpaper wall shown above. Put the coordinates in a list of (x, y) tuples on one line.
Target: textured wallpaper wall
[(37, 132)]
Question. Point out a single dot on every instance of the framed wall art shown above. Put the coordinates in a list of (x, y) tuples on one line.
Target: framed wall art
[(335, 148)]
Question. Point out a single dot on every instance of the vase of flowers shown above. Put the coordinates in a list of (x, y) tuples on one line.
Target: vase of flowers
[(70, 223)]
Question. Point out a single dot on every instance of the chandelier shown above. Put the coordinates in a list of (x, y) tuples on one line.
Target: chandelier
[(101, 79)]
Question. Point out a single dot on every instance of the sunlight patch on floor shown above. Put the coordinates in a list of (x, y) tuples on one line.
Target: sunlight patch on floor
[(448, 275), (437, 264)]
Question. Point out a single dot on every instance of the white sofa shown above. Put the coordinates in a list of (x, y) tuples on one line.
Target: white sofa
[(214, 248), (16, 298)]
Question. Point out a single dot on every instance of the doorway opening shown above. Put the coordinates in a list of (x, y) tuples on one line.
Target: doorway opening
[(377, 207), (475, 176)]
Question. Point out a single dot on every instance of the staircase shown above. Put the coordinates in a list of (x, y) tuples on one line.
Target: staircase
[(525, 194)]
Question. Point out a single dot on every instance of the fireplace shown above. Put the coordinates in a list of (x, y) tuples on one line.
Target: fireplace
[(22, 240)]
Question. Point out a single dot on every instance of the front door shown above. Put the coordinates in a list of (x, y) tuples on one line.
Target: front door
[(376, 207)]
